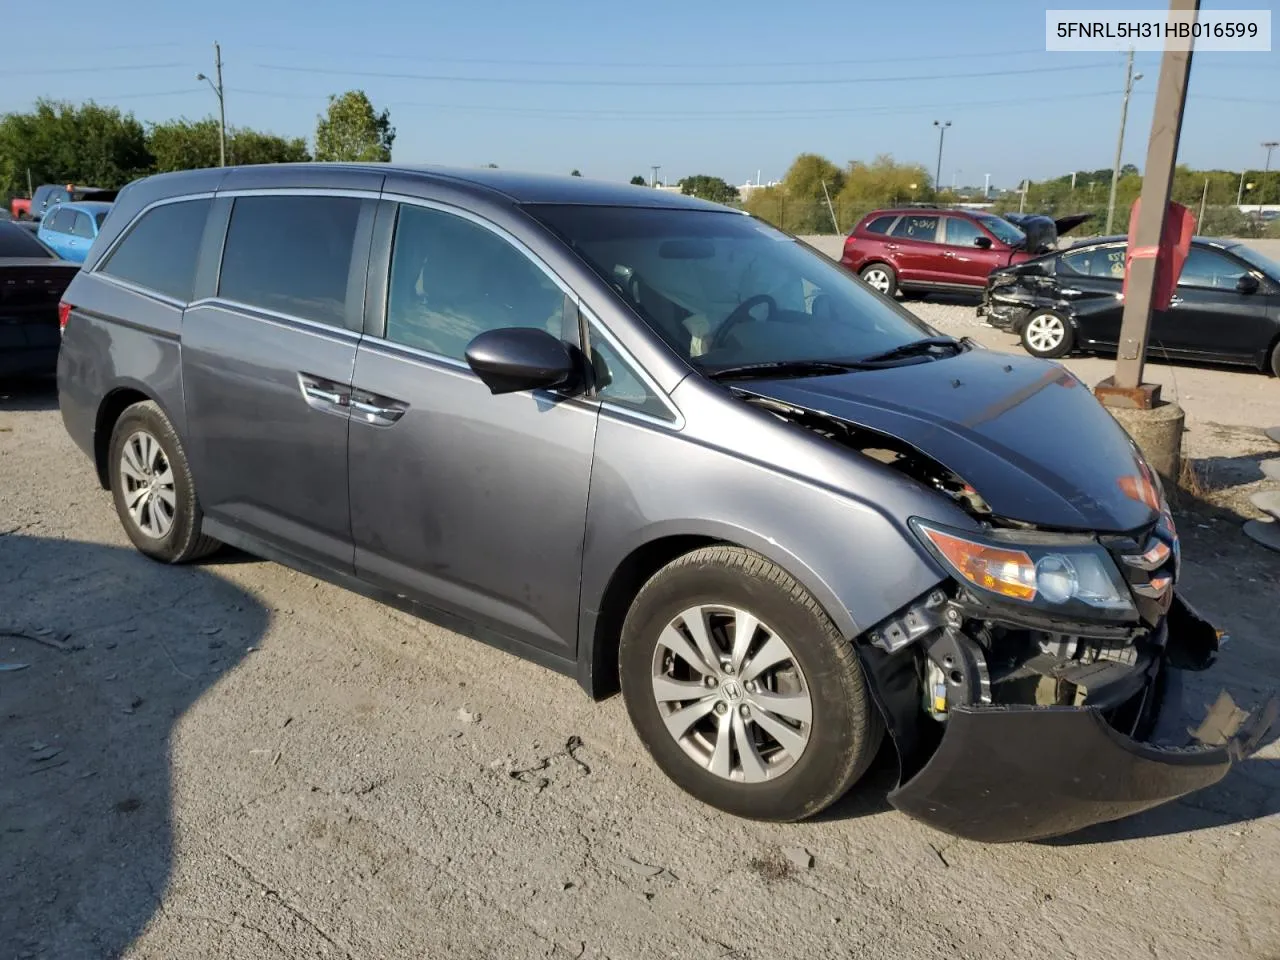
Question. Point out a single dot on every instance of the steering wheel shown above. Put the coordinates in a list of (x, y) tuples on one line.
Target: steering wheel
[(741, 312)]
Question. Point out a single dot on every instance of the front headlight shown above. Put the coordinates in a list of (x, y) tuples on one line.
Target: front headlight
[(1067, 578)]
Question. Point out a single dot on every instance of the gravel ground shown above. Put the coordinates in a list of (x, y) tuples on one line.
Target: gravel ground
[(234, 760)]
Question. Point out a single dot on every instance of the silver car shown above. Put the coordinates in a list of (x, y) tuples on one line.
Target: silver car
[(659, 445)]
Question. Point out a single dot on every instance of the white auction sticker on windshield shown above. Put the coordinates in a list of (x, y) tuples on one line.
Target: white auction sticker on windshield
[(1240, 31)]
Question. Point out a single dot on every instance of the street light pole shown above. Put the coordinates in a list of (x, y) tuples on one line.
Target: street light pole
[(655, 167), (222, 110), (942, 132), (1129, 78), (1268, 146)]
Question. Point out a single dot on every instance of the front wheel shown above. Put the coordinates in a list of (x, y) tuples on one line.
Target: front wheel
[(743, 690), (1047, 334), (1275, 361)]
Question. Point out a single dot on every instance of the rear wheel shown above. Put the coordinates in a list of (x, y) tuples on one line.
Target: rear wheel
[(743, 690), (151, 484), (1275, 361), (1047, 334), (880, 276)]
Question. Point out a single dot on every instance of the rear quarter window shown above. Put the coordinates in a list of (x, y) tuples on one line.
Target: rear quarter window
[(879, 224), (159, 251)]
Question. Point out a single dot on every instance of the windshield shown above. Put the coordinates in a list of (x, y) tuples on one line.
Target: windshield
[(1254, 258), (99, 217), (1005, 231), (727, 290)]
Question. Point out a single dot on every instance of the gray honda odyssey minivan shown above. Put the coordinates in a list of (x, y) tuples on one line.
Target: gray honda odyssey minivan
[(659, 445)]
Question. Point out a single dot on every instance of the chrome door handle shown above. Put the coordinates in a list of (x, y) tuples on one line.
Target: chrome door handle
[(1175, 300), (324, 396), (376, 410)]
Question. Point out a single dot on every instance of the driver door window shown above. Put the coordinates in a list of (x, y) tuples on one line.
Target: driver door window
[(962, 233), (452, 279), (1209, 270)]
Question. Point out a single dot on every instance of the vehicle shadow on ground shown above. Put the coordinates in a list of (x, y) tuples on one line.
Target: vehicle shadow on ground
[(23, 396), (102, 652)]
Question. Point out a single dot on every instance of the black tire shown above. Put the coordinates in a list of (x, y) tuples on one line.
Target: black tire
[(846, 728), (889, 277), (182, 540), (1036, 323), (1275, 361)]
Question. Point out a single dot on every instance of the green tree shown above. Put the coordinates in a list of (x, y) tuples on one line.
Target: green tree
[(881, 183), (803, 184), (62, 142), (575, 172), (639, 181), (709, 188), (187, 145), (351, 130)]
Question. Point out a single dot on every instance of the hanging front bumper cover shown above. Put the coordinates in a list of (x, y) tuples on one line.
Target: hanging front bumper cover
[(1013, 772)]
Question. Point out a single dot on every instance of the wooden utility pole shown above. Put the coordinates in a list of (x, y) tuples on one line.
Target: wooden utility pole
[(1157, 184), (1124, 119)]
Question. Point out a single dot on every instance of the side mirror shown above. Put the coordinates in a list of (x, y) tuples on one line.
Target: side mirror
[(983, 243), (1247, 284), (520, 358)]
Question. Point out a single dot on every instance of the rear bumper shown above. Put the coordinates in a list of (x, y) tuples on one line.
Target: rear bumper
[(1008, 772)]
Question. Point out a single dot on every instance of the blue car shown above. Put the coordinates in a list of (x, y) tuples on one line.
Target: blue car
[(70, 228)]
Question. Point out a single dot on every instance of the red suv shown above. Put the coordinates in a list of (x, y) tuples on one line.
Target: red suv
[(931, 249)]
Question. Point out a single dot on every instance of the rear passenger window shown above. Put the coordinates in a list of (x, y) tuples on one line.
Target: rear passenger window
[(1101, 262), (880, 225), (159, 252), (917, 228), (452, 279), (291, 254), (80, 225), (58, 221)]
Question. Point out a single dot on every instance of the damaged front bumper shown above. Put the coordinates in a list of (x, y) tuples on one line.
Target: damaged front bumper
[(1002, 772)]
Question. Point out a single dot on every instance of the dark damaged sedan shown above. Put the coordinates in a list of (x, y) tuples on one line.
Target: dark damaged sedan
[(655, 444), (1226, 308)]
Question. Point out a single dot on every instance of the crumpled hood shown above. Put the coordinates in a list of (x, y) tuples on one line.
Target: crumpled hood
[(1025, 433)]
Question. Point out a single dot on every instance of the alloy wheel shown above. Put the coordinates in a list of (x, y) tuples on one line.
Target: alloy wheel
[(147, 481), (731, 693), (877, 279), (1045, 332)]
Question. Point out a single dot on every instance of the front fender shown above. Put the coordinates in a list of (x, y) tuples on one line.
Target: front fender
[(856, 559)]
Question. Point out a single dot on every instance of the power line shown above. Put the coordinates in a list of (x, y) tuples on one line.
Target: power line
[(565, 82), (642, 64), (61, 70)]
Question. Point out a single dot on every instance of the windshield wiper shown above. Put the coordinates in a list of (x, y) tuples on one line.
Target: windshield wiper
[(916, 348), (784, 368)]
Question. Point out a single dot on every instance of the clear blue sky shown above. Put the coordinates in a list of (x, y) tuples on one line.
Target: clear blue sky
[(727, 87)]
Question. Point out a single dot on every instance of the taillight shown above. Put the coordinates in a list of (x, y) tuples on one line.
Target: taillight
[(64, 314)]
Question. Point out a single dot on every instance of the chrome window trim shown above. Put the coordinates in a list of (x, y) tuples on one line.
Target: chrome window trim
[(139, 289), (276, 316)]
